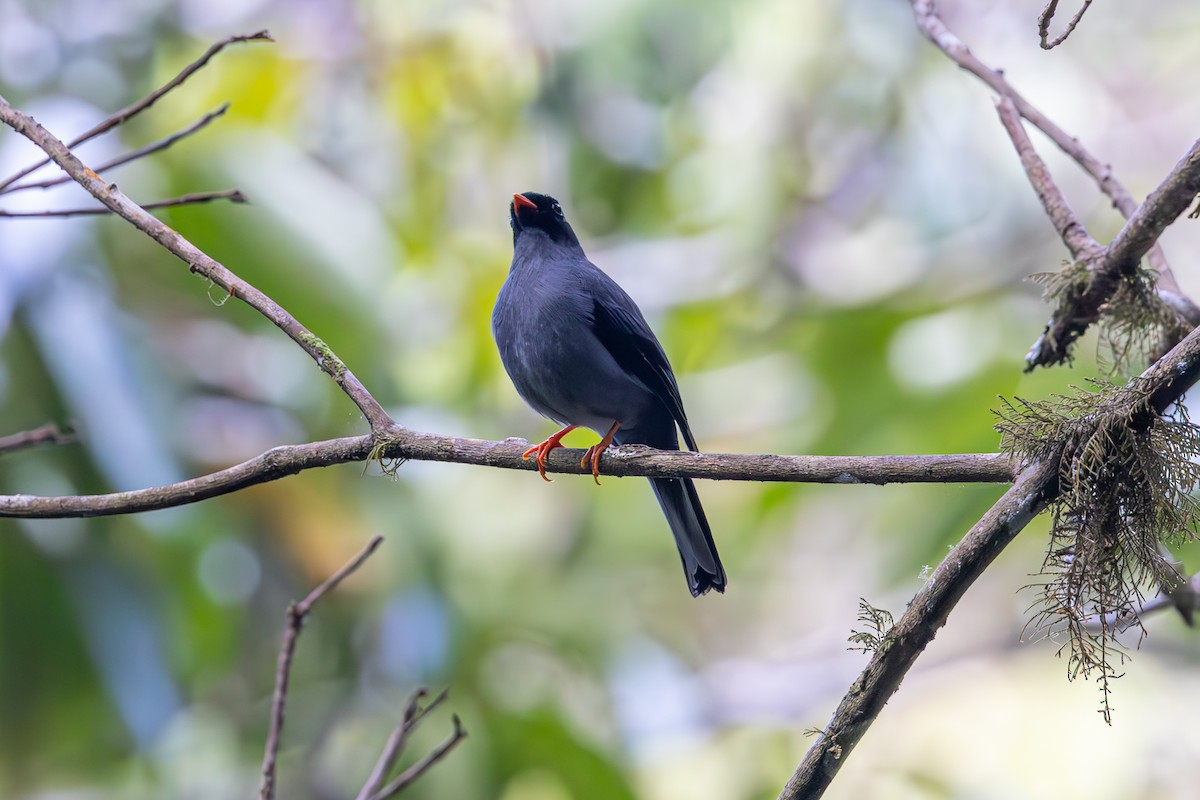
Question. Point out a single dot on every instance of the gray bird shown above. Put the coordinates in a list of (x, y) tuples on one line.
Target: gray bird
[(579, 351)]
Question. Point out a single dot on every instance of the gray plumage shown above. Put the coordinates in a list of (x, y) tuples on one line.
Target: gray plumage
[(579, 352)]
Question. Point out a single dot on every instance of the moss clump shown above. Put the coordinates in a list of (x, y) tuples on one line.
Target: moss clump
[(326, 360), (1126, 474), (1134, 323)]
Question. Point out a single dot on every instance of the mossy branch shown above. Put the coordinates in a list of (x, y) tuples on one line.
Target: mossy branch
[(1136, 324), (1126, 476)]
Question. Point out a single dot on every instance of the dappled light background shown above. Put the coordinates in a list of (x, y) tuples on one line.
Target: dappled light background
[(821, 217)]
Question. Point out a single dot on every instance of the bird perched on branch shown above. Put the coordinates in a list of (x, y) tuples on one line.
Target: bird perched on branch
[(579, 351)]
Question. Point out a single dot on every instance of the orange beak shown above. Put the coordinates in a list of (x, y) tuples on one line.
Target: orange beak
[(520, 200)]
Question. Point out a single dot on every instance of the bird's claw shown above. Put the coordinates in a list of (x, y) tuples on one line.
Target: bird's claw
[(593, 453), (541, 451)]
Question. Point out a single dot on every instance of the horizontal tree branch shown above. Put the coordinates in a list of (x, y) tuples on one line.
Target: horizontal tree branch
[(46, 434), (625, 461), (232, 195)]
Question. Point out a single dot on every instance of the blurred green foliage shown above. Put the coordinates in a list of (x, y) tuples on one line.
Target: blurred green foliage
[(826, 226)]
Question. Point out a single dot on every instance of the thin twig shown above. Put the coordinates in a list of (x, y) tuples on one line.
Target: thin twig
[(402, 444), (393, 747), (199, 262), (413, 714), (46, 434), (141, 152), (133, 110), (1036, 487), (1068, 225), (1044, 24), (232, 195), (406, 778), (296, 613)]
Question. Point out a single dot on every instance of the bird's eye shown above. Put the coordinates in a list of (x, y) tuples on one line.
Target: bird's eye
[(557, 209)]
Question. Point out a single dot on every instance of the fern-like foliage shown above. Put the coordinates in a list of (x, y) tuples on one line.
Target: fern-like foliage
[(1126, 476), (879, 624), (1135, 324)]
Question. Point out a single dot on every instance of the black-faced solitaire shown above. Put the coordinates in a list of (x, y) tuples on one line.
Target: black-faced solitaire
[(579, 351)]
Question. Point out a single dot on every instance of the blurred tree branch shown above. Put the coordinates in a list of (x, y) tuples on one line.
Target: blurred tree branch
[(130, 111), (141, 152), (46, 434), (372, 789), (1044, 24), (296, 612), (232, 195)]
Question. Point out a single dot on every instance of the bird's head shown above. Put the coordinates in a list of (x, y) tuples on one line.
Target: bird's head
[(531, 211)]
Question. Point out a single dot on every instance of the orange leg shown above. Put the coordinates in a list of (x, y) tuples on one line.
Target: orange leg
[(542, 450), (593, 452)]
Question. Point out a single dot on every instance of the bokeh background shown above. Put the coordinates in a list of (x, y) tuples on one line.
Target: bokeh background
[(824, 222)]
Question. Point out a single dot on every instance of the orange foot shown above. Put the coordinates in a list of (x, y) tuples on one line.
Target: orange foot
[(542, 450), (593, 452)]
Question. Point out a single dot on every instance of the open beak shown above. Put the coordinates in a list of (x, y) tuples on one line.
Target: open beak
[(520, 200)]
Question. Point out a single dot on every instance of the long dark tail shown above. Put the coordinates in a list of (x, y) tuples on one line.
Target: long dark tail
[(693, 537)]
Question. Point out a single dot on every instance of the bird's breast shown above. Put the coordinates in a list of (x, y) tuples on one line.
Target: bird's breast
[(557, 364)]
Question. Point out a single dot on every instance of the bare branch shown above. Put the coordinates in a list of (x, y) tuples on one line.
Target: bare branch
[(395, 745), (296, 613), (1044, 24), (403, 444), (46, 434), (413, 713), (199, 262), (141, 152), (304, 606), (1033, 490), (131, 111), (232, 195), (1070, 229), (406, 778)]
